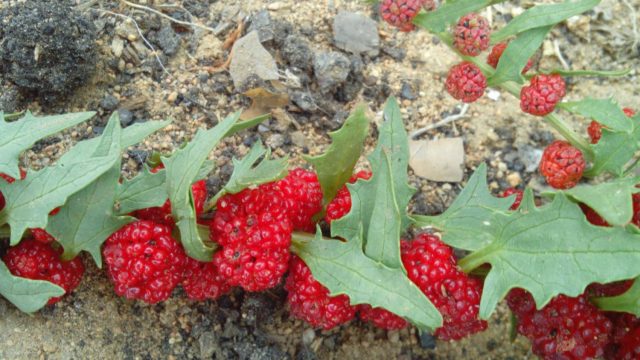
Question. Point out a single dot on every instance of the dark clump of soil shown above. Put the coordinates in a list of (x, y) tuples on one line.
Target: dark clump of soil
[(47, 48)]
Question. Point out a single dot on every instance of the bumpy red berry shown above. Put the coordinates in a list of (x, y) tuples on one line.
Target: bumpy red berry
[(201, 281), (382, 318), (162, 214), (42, 236), (595, 128), (629, 346), (33, 260), (610, 289), (254, 229), (466, 82), (310, 301), (566, 328), (472, 34), (303, 195), (496, 54), (636, 209), (629, 112), (593, 217), (540, 97), (341, 204), (144, 261), (516, 202), (431, 265), (562, 165), (400, 13)]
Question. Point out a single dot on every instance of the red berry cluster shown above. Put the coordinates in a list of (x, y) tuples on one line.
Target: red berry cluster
[(400, 13)]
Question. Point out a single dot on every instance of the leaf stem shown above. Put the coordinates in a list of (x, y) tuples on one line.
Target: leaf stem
[(211, 204), (476, 259), (5, 232)]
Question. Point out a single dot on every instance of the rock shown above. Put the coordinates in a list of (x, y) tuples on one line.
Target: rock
[(304, 101), (356, 33), (305, 353), (438, 160), (109, 102), (117, 46), (396, 53), (126, 117), (331, 70), (10, 98), (208, 345), (407, 92), (168, 40), (530, 157), (296, 52), (275, 141), (427, 341), (298, 139), (261, 22), (308, 336), (249, 57)]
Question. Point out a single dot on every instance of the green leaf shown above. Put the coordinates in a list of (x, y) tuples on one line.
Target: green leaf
[(614, 150), (604, 111), (344, 269), (549, 251), (628, 302), (517, 54), (438, 20), (603, 73), (18, 136), (467, 220), (253, 171), (612, 200), (145, 190), (27, 295), (29, 201), (88, 219), (542, 16), (246, 124), (206, 169), (336, 165), (182, 169)]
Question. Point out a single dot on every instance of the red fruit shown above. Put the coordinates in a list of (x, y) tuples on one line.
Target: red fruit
[(201, 281), (310, 301), (566, 328), (341, 204), (144, 262), (629, 112), (540, 97), (630, 346), (592, 216), (382, 318), (254, 228), (518, 199), (33, 260), (610, 289), (466, 82), (42, 236), (496, 54), (472, 34), (400, 13), (562, 165), (303, 195), (431, 265), (636, 210), (625, 329), (595, 131)]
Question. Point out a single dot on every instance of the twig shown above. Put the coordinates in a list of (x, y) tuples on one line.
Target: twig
[(445, 121), (556, 50), (153, 50), (634, 23), (159, 13)]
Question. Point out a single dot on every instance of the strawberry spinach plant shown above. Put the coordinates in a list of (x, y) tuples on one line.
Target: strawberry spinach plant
[(333, 236)]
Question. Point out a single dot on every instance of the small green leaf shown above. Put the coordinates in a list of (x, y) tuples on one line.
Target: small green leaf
[(614, 150), (612, 200), (467, 220), (145, 190), (549, 251), (542, 16), (517, 54), (438, 20), (182, 169), (206, 169), (628, 302), (336, 165), (344, 269), (88, 219), (246, 124), (253, 171), (603, 73), (27, 295), (604, 111), (29, 201), (18, 136)]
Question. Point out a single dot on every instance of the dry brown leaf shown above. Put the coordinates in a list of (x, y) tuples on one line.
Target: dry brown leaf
[(263, 102)]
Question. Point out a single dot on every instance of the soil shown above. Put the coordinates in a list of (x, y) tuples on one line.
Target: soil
[(192, 88)]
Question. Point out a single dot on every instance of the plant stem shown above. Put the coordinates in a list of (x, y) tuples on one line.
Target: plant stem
[(476, 259), (5, 232)]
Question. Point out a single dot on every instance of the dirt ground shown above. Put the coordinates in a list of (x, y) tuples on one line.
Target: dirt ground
[(94, 323)]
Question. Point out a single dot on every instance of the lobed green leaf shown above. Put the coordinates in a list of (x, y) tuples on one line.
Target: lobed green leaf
[(18, 136), (27, 295), (145, 190), (614, 150), (253, 171), (182, 169), (437, 21), (543, 16), (600, 73), (604, 111), (335, 166)]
